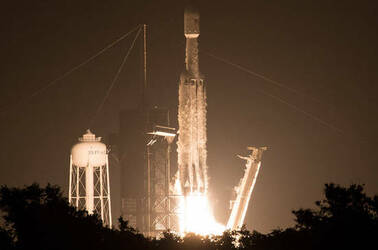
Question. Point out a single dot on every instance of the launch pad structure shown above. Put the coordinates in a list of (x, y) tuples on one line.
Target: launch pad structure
[(244, 190), (147, 201), (150, 198), (145, 144), (154, 209), (161, 203)]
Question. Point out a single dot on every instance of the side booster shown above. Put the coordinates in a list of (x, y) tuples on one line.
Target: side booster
[(192, 153)]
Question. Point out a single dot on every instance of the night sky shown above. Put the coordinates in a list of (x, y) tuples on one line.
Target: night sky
[(320, 125)]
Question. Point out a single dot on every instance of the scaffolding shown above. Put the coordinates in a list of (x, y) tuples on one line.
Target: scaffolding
[(161, 212), (148, 203)]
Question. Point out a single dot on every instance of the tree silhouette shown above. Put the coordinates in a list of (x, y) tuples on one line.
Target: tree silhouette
[(41, 218), (6, 240), (346, 217), (169, 240)]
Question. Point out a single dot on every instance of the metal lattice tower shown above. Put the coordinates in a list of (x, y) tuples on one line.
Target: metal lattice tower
[(161, 203), (89, 177)]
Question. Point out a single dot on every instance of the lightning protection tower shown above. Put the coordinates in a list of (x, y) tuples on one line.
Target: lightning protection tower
[(89, 177)]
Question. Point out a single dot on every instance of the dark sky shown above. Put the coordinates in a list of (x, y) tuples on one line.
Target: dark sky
[(325, 50)]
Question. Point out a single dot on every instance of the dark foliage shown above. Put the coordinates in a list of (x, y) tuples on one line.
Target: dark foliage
[(6, 240), (346, 218), (41, 218)]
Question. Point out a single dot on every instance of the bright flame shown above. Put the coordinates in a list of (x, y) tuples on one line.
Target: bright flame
[(197, 216)]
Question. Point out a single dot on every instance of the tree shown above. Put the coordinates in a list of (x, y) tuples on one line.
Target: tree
[(169, 240), (6, 240), (346, 217), (41, 218)]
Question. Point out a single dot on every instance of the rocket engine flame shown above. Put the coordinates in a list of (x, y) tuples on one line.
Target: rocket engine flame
[(195, 214), (198, 216)]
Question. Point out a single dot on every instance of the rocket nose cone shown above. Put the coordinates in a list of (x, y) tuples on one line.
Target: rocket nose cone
[(191, 10), (191, 22)]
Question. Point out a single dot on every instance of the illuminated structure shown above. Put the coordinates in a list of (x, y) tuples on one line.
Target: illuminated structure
[(145, 145), (245, 188), (153, 200), (192, 137), (89, 177), (161, 203), (147, 200)]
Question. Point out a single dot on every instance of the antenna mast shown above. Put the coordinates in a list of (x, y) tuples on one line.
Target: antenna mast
[(144, 65)]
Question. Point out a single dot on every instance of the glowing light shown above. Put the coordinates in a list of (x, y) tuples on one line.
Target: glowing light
[(195, 214), (198, 216)]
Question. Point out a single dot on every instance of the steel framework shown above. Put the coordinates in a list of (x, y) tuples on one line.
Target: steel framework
[(161, 202), (244, 190), (89, 190)]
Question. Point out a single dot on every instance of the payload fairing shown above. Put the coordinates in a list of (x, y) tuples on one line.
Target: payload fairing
[(192, 153)]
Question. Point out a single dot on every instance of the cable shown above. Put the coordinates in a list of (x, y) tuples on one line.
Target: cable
[(263, 77), (319, 120), (114, 80), (56, 80)]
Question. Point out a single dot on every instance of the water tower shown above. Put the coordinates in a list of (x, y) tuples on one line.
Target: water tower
[(89, 177)]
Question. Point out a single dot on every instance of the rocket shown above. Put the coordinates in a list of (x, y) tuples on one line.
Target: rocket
[(191, 145)]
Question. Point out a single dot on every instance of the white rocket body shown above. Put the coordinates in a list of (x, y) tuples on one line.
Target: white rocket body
[(192, 153)]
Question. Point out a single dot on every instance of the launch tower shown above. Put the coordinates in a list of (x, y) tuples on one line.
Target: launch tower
[(145, 142), (244, 190)]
